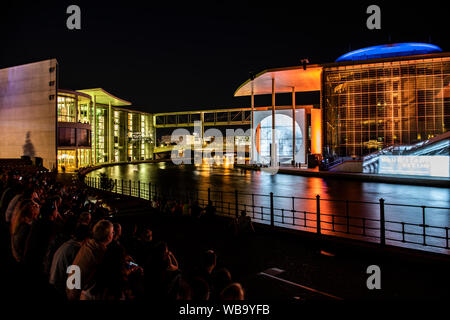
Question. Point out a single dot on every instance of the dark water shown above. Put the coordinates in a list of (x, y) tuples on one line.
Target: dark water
[(187, 178)]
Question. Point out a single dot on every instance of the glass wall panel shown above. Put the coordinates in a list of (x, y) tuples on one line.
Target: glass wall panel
[(369, 108), (66, 109), (66, 160), (66, 137)]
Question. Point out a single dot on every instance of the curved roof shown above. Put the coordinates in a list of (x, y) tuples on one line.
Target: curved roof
[(71, 92), (390, 50), (285, 78), (104, 97)]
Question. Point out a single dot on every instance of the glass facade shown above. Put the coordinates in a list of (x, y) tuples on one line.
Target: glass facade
[(130, 135), (66, 160), (370, 106), (66, 109)]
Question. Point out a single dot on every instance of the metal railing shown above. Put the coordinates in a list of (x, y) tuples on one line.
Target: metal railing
[(362, 220)]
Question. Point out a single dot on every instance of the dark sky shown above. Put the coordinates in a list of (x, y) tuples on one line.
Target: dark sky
[(170, 56)]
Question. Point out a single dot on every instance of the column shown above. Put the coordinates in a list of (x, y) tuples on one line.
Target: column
[(273, 148), (252, 102), (90, 122), (293, 125), (110, 139), (94, 142)]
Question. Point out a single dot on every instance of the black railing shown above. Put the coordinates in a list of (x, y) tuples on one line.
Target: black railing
[(362, 220)]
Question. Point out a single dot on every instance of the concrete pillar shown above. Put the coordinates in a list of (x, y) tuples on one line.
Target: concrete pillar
[(110, 138), (293, 125), (94, 142), (252, 102), (76, 108), (274, 149)]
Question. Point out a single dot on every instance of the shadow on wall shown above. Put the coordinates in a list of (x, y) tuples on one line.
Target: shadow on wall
[(28, 148)]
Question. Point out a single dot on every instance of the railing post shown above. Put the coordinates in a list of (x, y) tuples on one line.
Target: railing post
[(129, 185), (221, 201), (446, 238), (318, 213), (304, 219), (115, 185), (139, 188), (272, 217), (209, 195), (347, 213), (424, 226), (403, 232), (382, 223), (121, 181), (364, 226), (253, 205), (237, 203), (293, 211)]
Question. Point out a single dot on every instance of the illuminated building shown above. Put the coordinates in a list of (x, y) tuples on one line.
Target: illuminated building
[(119, 134), (397, 99), (370, 99), (67, 128)]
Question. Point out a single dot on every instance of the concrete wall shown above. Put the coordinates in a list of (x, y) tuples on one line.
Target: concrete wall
[(27, 111)]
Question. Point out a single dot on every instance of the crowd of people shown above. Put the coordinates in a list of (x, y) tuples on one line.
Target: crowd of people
[(59, 231)]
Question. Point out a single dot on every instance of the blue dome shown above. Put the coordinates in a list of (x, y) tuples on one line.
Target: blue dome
[(390, 50)]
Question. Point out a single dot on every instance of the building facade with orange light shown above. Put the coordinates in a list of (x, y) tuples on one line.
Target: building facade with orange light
[(370, 99)]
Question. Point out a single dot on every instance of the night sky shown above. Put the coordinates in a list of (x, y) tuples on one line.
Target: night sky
[(169, 56)]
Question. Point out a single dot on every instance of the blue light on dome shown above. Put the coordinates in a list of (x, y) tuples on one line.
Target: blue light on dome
[(389, 50)]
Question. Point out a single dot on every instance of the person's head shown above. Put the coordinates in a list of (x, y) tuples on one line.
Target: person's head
[(233, 291), (85, 218), (103, 232), (28, 193), (200, 289), (183, 290), (49, 210), (221, 278), (117, 231), (81, 233), (28, 211), (209, 260), (243, 213), (160, 255), (147, 235)]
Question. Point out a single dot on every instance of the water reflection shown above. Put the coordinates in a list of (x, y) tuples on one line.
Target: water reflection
[(184, 178), (230, 179)]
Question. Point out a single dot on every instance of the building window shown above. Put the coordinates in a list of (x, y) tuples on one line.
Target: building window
[(66, 137)]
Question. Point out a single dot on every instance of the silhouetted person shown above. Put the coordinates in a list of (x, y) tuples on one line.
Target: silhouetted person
[(244, 224), (196, 210)]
